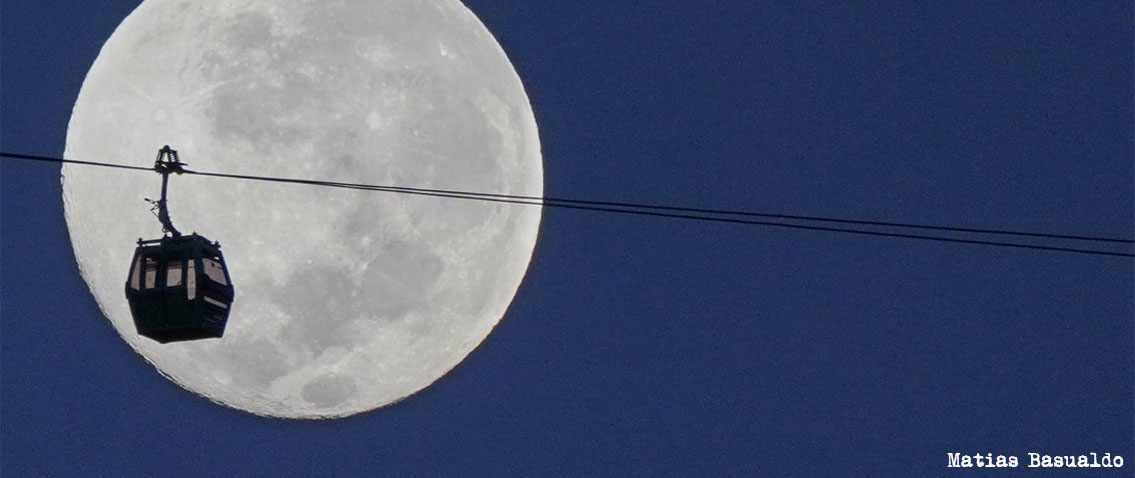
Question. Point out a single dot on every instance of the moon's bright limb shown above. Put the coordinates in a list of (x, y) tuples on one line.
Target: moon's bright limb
[(346, 300)]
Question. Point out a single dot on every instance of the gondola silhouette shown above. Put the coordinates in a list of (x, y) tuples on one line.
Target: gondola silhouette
[(178, 286)]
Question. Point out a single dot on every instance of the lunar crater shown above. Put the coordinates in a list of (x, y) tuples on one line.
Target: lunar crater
[(327, 390)]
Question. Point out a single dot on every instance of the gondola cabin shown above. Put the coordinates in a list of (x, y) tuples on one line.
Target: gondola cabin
[(179, 289)]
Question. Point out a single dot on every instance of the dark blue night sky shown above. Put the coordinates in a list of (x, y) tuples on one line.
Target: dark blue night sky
[(653, 347)]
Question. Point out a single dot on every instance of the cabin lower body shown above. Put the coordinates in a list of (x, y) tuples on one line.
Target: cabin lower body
[(179, 289), (167, 318)]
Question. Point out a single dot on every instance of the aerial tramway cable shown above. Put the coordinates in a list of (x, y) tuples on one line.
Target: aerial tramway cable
[(676, 212)]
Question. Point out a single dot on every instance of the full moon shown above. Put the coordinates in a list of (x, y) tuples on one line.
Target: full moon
[(346, 300)]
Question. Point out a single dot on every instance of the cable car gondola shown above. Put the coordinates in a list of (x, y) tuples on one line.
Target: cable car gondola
[(178, 286)]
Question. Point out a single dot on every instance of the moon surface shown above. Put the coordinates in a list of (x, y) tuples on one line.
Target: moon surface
[(345, 300)]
